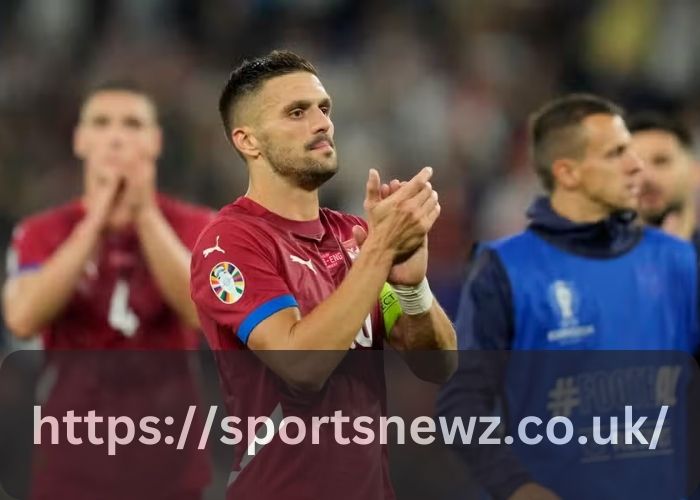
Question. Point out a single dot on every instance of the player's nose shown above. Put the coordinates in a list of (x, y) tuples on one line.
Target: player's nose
[(116, 139), (321, 122), (634, 163)]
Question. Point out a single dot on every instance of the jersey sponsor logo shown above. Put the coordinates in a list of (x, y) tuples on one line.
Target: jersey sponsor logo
[(227, 282), (565, 301), (332, 259), (216, 248), (303, 262)]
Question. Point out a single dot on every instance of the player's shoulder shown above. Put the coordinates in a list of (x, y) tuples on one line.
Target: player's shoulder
[(235, 224), (53, 220), (674, 254), (234, 218), (508, 242), (659, 238)]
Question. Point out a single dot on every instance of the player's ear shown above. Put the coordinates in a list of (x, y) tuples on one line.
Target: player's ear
[(244, 140), (566, 172), (79, 147), (695, 174), (157, 142)]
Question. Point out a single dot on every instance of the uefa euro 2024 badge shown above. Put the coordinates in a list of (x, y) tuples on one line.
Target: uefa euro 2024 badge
[(565, 302), (227, 282)]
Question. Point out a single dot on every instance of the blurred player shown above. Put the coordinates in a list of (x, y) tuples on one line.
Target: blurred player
[(274, 272), (109, 271), (581, 277), (670, 176), (667, 200)]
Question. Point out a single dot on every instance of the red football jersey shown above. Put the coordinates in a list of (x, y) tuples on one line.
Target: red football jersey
[(248, 264), (117, 303), (118, 311)]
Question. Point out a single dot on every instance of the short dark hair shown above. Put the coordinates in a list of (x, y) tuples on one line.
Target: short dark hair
[(554, 130), (644, 121), (120, 85), (249, 76)]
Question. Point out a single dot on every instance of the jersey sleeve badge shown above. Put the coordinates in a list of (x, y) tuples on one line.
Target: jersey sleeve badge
[(227, 282)]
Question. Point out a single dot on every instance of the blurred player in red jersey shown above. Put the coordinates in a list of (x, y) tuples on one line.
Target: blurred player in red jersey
[(110, 271), (275, 272)]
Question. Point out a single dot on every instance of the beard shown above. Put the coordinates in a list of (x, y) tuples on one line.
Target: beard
[(305, 172), (308, 174), (657, 218)]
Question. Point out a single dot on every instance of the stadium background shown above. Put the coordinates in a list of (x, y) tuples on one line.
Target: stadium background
[(447, 83)]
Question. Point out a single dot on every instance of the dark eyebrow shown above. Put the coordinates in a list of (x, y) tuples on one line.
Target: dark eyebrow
[(132, 121), (305, 104), (99, 119), (300, 104)]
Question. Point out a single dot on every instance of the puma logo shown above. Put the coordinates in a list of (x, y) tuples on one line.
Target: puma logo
[(215, 248), (303, 262)]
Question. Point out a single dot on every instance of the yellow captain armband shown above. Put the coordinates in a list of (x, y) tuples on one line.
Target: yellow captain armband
[(391, 309)]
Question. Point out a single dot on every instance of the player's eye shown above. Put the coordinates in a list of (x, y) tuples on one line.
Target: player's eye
[(617, 152), (296, 113), (133, 123), (100, 121), (326, 110), (661, 161)]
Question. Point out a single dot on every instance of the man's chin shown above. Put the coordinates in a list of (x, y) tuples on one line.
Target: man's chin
[(311, 180), (651, 217), (656, 217), (624, 205)]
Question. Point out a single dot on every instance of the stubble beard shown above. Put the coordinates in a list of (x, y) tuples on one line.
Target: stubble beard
[(657, 218), (306, 173)]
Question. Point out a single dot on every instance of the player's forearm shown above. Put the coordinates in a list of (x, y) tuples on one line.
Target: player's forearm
[(168, 261), (33, 299), (334, 324), (428, 342)]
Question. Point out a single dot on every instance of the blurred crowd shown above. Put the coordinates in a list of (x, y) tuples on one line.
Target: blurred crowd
[(447, 83)]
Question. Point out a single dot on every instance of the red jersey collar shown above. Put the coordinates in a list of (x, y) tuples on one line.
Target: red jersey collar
[(310, 229)]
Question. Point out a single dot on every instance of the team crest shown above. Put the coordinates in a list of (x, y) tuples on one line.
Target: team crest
[(351, 248), (227, 282)]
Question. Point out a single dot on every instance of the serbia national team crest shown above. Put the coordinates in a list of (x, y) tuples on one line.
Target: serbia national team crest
[(227, 282)]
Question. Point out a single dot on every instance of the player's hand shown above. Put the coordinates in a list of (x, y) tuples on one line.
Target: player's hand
[(533, 491), (140, 192), (413, 270), (410, 272), (400, 221), (101, 201)]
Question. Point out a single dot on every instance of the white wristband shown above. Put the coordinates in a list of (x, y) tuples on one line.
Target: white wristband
[(414, 299)]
